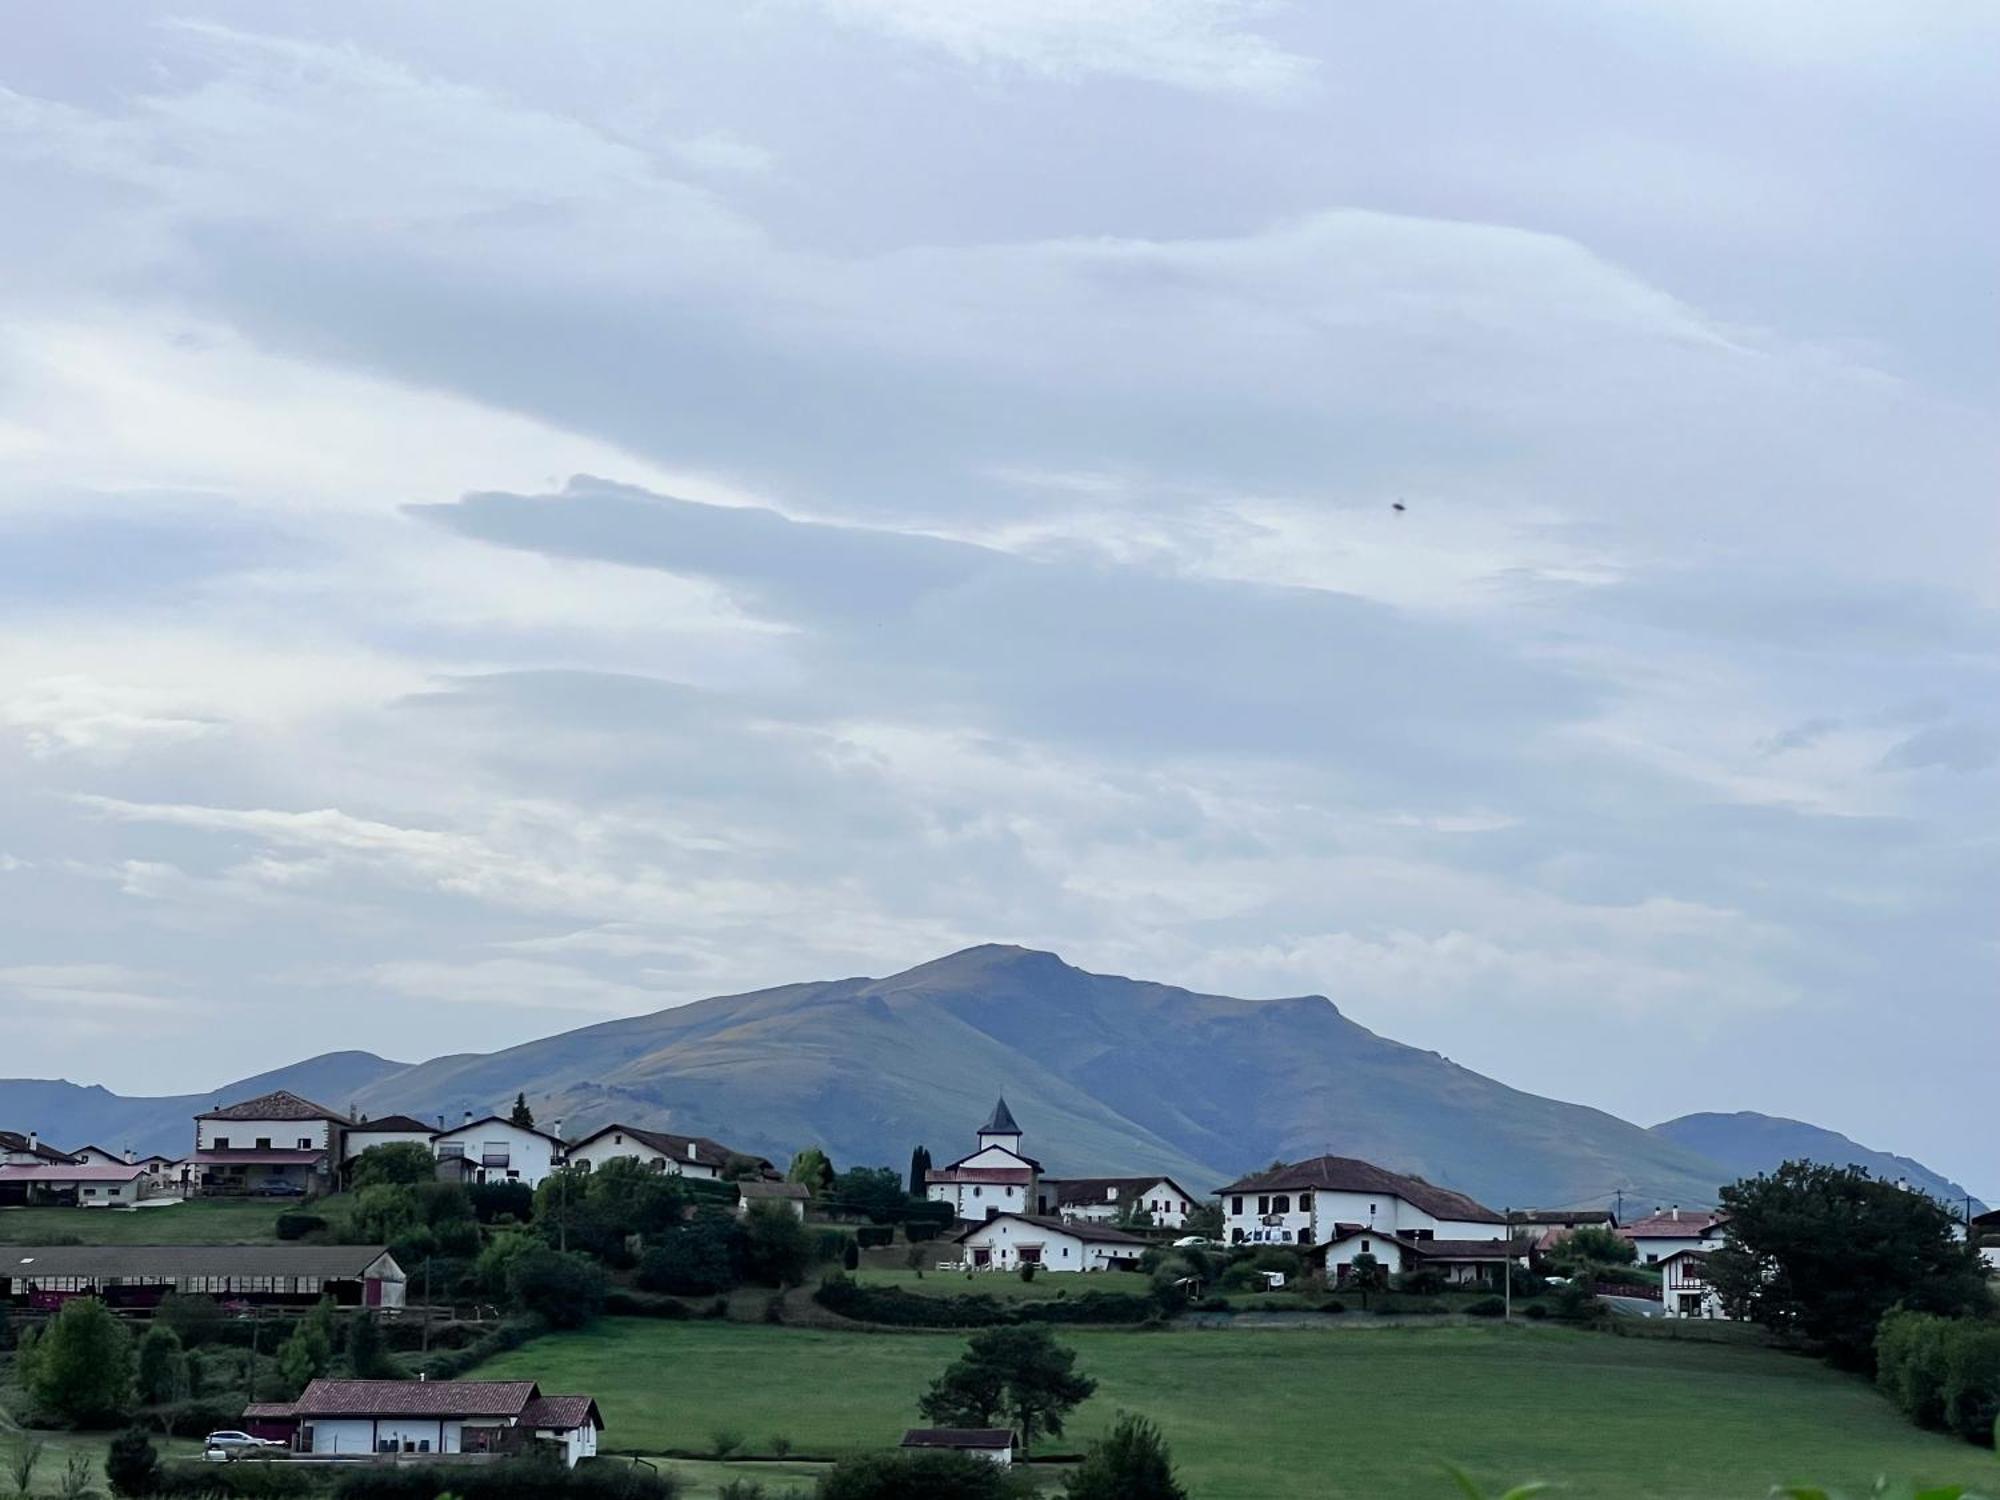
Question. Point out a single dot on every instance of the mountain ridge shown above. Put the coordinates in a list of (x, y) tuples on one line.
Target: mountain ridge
[(1107, 1074)]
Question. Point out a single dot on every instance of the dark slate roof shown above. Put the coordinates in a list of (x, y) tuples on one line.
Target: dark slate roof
[(1566, 1217), (1685, 1224), (958, 1437), (416, 1398), (1346, 1174), (13, 1140), (402, 1123), (1001, 1121), (1102, 1234), (279, 1104), (561, 1413), (336, 1262), (498, 1120)]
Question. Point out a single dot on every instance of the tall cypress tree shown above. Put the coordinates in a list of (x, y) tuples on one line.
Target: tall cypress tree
[(920, 1166)]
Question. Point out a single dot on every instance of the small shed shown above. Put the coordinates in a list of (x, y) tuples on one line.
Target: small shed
[(995, 1443)]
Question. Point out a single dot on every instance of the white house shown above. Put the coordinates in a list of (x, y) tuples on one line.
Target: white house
[(389, 1130), (1302, 1203), (79, 1184), (275, 1142), (18, 1150), (1116, 1200), (995, 1179), (1984, 1231), (1659, 1235), (1684, 1288), (1009, 1241), (792, 1195), (679, 1155), (1460, 1262), (433, 1416), (996, 1444), (497, 1150)]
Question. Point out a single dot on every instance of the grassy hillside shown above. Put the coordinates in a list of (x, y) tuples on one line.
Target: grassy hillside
[(1105, 1074), (1274, 1415), (199, 1221), (1747, 1143)]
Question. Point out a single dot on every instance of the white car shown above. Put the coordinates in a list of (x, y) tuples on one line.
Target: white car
[(1194, 1241), (231, 1444)]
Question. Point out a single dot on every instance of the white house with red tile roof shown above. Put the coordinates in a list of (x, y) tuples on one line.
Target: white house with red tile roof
[(1116, 1200), (1661, 1234), (276, 1140), (663, 1150), (18, 1149), (995, 1179), (495, 1149), (996, 1444), (1684, 1288), (415, 1417), (1009, 1241), (1302, 1203)]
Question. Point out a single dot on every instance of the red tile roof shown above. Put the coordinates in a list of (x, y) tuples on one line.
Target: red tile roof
[(1688, 1224), (1080, 1229), (561, 1413), (1346, 1174), (415, 1398), (979, 1174), (958, 1437), (279, 1104)]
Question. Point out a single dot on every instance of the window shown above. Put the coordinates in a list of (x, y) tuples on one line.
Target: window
[(1282, 1204), (1263, 1203), (976, 1192), (305, 1143), (1236, 1204), (451, 1148), (220, 1143), (1364, 1248), (263, 1143), (1305, 1203)]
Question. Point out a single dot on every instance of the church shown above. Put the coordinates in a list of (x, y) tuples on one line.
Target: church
[(994, 1179)]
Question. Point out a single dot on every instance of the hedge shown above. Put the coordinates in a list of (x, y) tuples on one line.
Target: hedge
[(874, 1236), (451, 1363), (275, 1479), (897, 1308), (1942, 1372), (521, 1480), (298, 1226), (619, 1303)]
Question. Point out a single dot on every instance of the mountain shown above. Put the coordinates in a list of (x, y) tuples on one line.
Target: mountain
[(70, 1115), (1746, 1144), (1106, 1075)]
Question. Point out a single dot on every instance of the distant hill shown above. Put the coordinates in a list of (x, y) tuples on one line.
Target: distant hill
[(1747, 1143), (69, 1115), (1106, 1075)]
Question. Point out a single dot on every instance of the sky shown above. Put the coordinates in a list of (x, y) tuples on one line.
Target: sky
[(508, 520)]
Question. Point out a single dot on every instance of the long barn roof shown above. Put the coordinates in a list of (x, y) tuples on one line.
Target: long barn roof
[(335, 1262)]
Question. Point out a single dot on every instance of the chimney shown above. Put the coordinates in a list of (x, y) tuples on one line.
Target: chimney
[(34, 1142), (691, 1156), (440, 1124), (1674, 1213), (129, 1157), (468, 1118)]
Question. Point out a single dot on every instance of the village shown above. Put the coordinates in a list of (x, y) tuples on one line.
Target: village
[(1311, 1234)]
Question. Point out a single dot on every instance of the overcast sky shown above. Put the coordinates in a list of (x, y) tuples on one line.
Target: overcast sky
[(512, 518)]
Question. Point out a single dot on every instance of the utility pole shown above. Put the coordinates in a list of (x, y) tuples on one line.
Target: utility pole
[(1507, 1271), (1619, 1212), (562, 1197), (427, 1305)]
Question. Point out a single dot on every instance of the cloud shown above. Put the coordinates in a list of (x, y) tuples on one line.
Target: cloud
[(1963, 748), (1203, 45)]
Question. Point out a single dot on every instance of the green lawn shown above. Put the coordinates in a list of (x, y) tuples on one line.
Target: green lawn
[(59, 1447), (197, 1221), (1270, 1415)]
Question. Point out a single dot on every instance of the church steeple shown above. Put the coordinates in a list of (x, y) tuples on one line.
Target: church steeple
[(1000, 1129)]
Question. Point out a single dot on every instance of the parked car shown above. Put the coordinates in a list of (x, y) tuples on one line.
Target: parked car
[(230, 1444), (1195, 1241), (280, 1189)]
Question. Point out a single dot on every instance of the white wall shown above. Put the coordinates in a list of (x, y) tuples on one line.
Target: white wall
[(358, 1141), (973, 1200), (615, 1144), (530, 1156), (1388, 1252), (1167, 1204), (284, 1135), (359, 1434), (1318, 1210), (576, 1444), (1060, 1251)]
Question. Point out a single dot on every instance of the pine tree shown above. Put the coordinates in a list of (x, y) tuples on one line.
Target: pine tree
[(920, 1171), (521, 1116)]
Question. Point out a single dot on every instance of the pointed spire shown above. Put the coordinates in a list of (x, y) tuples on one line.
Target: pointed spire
[(1001, 1122)]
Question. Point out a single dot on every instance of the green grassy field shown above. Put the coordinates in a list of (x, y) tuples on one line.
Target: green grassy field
[(198, 1221), (1271, 1415), (59, 1447), (1004, 1286)]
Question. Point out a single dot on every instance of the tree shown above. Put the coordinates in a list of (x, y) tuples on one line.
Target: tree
[(812, 1169), (1590, 1252), (367, 1357), (398, 1164), (1204, 1219), (520, 1115), (308, 1353), (707, 1256), (1821, 1253), (490, 1270), (915, 1476), (850, 1255), (920, 1171), (1021, 1372), (1367, 1275), (564, 1291), (777, 1249), (163, 1366), (874, 1191), (193, 1315), (385, 1212), (132, 1464), (740, 1168), (82, 1366), (1130, 1463)]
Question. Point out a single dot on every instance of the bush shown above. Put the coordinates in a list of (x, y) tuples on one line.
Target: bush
[(619, 1303), (298, 1226), (1910, 1364), (163, 1367), (874, 1236), (723, 1441), (850, 1257), (194, 1316), (703, 1258), (132, 1466), (1333, 1305), (195, 1417), (1972, 1380), (1422, 1282), (492, 1201), (564, 1291), (914, 1476), (1487, 1307), (1536, 1310), (194, 1480), (81, 1369), (777, 1247), (1027, 1271), (449, 1364), (398, 1164)]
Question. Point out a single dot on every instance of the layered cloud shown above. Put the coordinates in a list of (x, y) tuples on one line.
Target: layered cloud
[(497, 536)]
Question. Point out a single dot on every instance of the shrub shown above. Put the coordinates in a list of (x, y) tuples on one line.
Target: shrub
[(450, 1363), (874, 1236), (1027, 1271), (851, 1256), (564, 1291), (1487, 1307), (1536, 1310), (914, 1476), (492, 1201), (723, 1441), (1333, 1305), (619, 1303), (1910, 1364), (1972, 1380), (777, 1248), (1422, 1282), (1131, 1463), (163, 1367), (398, 1164), (193, 1480), (894, 1307), (132, 1465), (298, 1226)]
